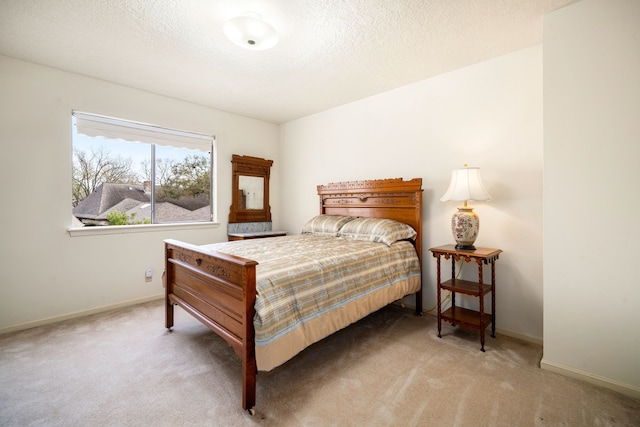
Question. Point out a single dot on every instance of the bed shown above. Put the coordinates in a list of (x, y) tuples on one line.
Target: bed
[(251, 293)]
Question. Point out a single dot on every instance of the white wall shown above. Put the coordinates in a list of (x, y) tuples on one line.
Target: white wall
[(488, 115), (45, 273), (591, 196)]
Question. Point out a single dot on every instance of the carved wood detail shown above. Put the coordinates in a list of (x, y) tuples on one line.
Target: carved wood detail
[(372, 185)]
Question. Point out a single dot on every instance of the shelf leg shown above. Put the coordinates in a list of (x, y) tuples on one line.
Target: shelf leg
[(453, 277), (493, 299), (439, 296), (481, 297)]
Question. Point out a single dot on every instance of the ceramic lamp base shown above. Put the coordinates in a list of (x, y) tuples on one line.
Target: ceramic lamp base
[(465, 225)]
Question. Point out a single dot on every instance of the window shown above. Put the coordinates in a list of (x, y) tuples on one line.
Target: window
[(128, 173)]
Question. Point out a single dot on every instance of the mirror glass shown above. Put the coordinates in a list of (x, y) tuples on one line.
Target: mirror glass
[(251, 192)]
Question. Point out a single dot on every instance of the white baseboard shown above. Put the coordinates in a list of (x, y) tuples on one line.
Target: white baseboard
[(55, 319), (519, 336), (577, 374)]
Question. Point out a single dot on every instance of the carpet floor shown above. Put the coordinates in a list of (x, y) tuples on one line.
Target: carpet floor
[(122, 368)]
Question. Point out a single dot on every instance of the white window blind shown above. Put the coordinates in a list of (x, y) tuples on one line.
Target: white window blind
[(93, 125)]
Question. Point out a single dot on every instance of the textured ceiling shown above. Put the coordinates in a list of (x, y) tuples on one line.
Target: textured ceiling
[(331, 52)]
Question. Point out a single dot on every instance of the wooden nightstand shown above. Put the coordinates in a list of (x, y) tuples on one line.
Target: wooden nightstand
[(255, 235), (478, 320)]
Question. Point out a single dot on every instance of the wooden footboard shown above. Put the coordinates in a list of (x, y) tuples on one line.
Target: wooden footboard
[(220, 291)]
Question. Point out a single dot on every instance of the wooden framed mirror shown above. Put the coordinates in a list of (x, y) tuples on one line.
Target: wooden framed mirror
[(250, 189)]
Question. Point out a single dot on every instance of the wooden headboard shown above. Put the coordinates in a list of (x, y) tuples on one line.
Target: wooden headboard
[(381, 198)]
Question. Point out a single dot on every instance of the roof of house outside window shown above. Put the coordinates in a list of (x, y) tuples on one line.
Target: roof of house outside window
[(106, 196), (133, 200)]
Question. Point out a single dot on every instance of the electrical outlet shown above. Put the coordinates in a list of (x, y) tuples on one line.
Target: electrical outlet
[(148, 275)]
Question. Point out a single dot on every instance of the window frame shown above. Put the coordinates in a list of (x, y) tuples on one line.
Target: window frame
[(138, 135), (143, 228)]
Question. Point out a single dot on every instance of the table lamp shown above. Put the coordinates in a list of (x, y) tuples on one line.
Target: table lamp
[(465, 185)]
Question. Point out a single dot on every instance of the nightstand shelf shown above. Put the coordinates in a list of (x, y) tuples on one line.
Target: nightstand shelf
[(478, 320), (464, 317), (466, 287)]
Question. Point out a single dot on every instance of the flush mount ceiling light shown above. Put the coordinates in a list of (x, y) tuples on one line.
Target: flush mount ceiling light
[(251, 32)]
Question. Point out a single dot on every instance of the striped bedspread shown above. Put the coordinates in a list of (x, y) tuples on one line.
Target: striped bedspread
[(301, 277)]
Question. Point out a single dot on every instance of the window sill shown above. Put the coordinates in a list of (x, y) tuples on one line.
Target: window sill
[(147, 228)]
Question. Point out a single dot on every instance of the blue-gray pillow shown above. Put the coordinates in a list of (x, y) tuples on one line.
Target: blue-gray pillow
[(383, 230), (326, 225)]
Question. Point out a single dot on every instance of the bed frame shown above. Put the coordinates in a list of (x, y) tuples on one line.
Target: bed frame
[(220, 290)]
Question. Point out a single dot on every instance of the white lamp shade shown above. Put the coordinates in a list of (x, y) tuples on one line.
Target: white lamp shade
[(251, 32), (466, 185)]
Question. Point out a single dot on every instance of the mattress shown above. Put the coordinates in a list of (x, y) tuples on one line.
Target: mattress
[(308, 286)]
